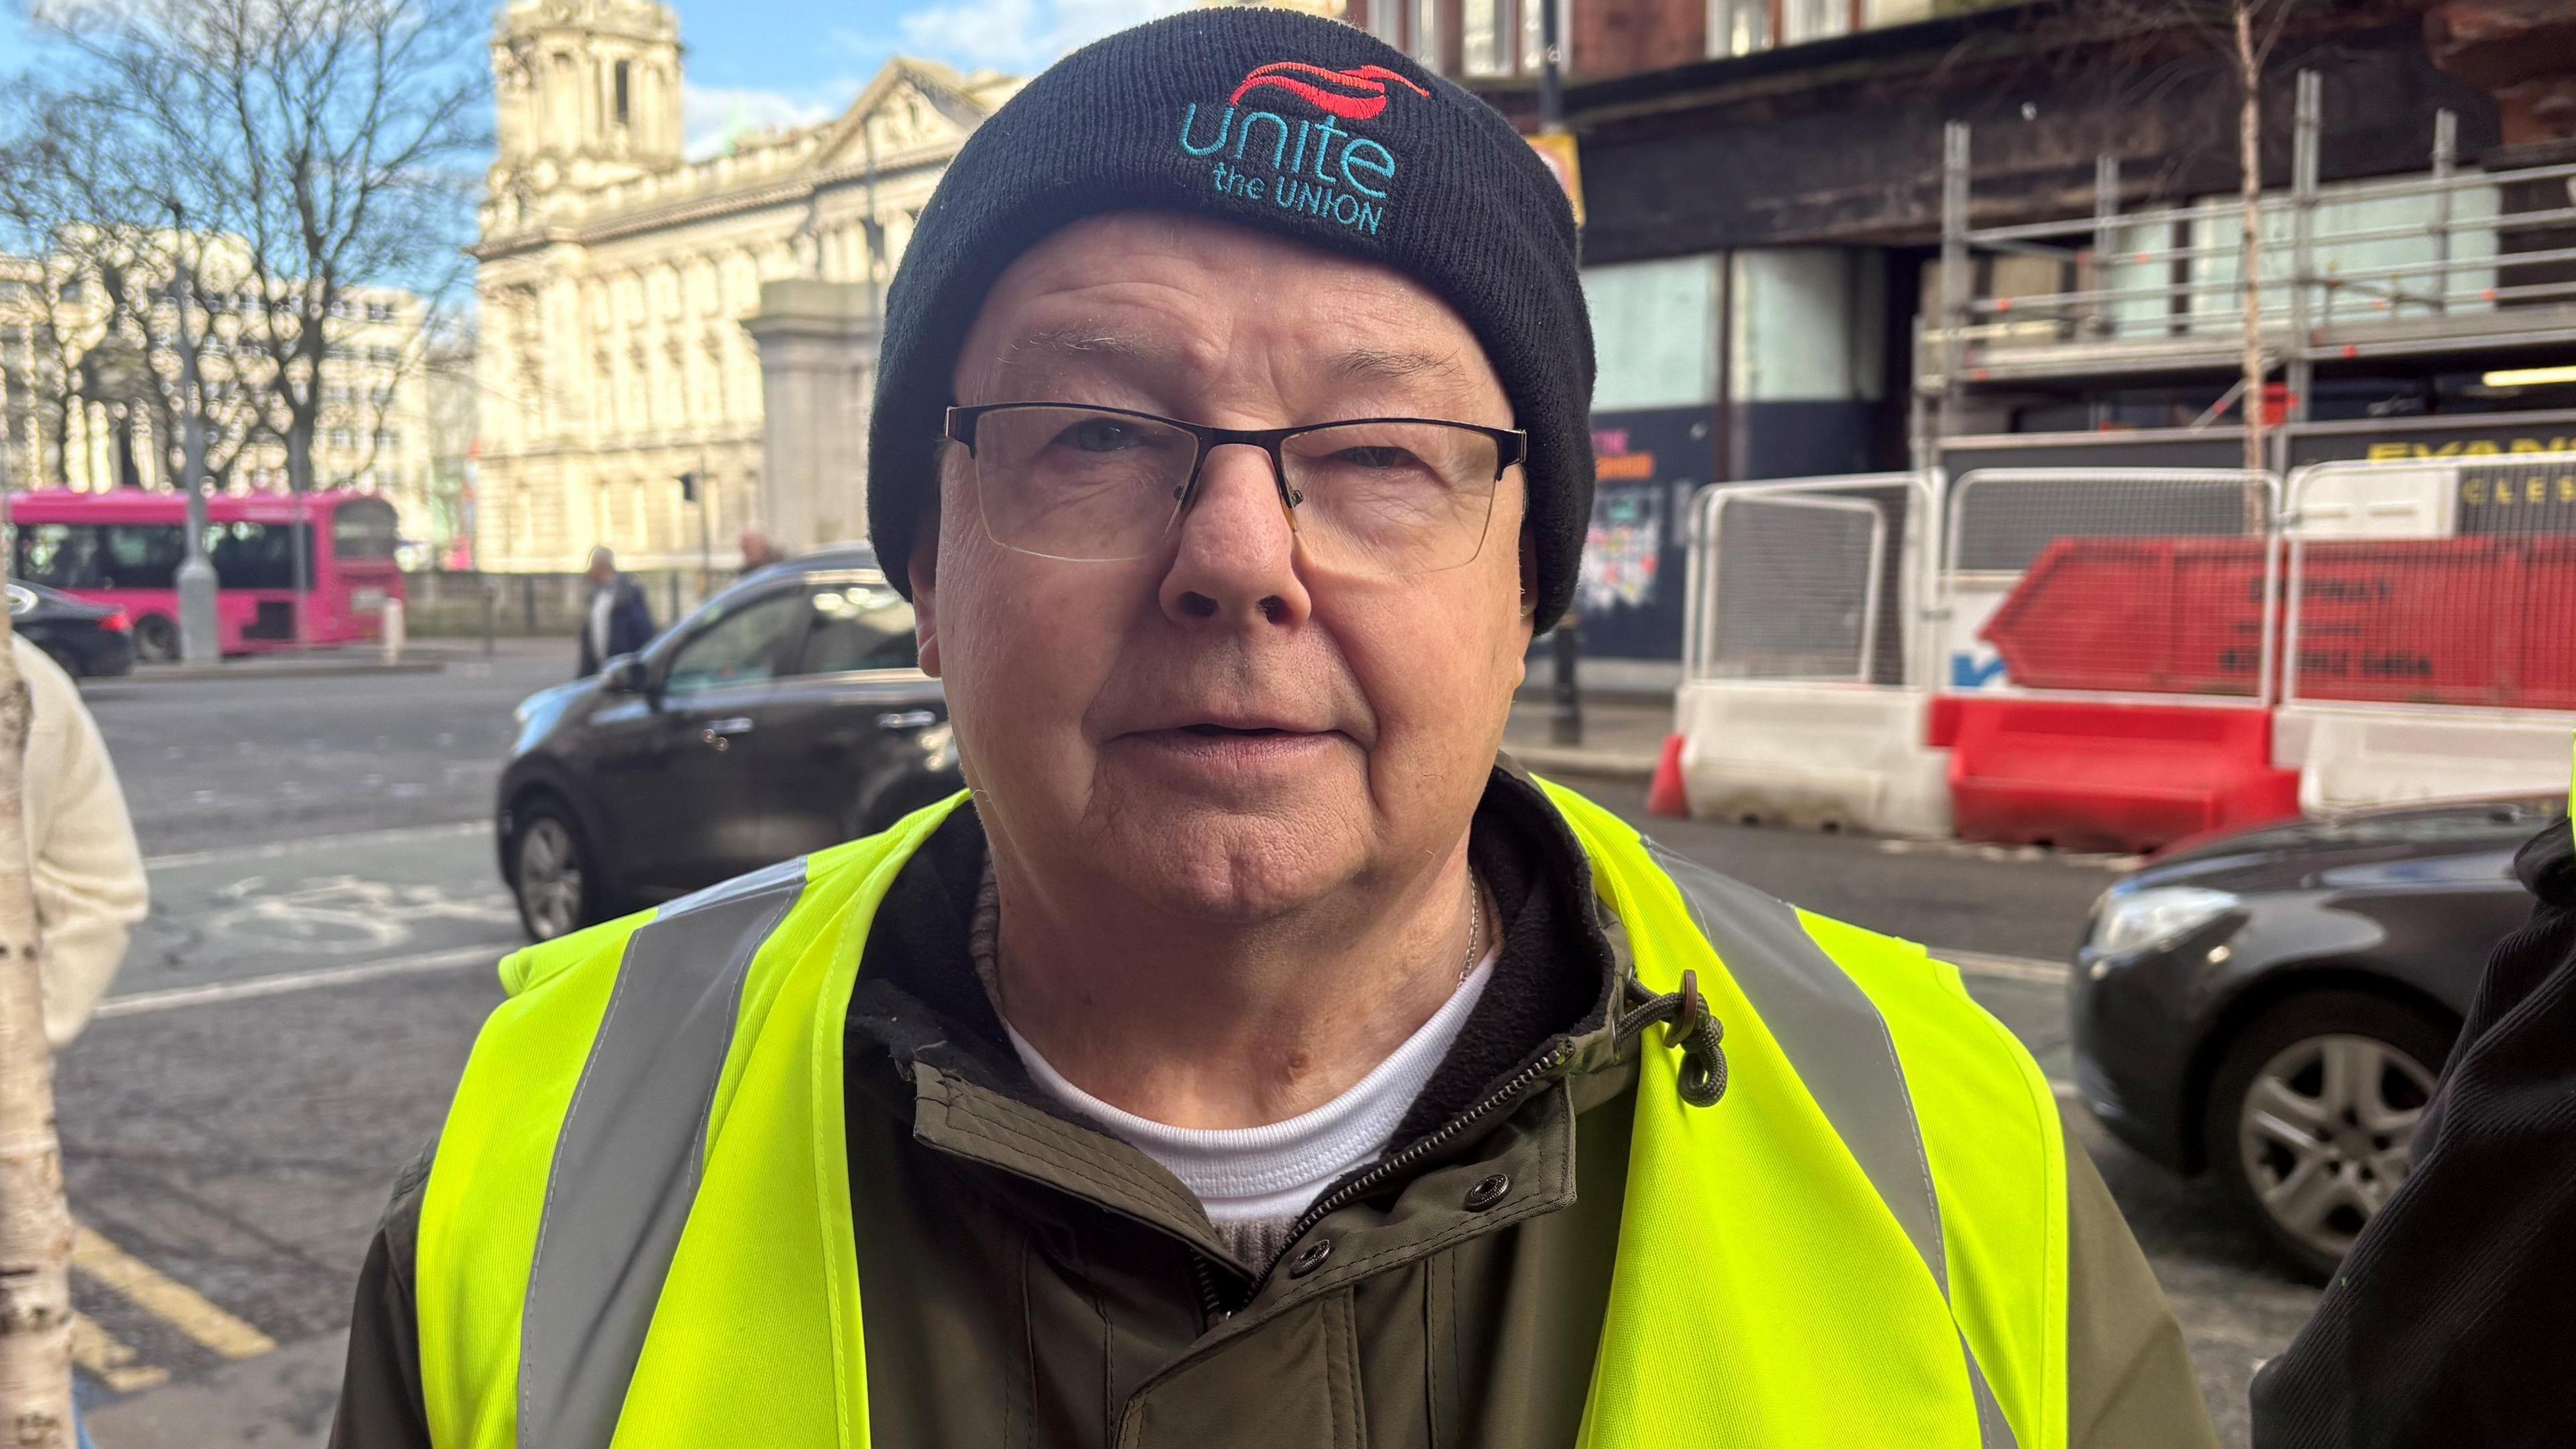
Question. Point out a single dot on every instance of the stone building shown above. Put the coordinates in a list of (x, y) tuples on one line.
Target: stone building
[(77, 408), (623, 331)]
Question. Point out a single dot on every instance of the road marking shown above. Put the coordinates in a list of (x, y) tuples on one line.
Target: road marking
[(484, 953), (2008, 968), (108, 1361), (167, 1299), (277, 848)]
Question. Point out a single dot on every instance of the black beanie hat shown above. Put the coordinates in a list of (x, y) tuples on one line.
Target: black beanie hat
[(1284, 122)]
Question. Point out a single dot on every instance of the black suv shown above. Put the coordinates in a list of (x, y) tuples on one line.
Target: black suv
[(786, 714)]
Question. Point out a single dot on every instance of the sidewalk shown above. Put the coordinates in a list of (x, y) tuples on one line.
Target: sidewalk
[(1622, 738), (312, 664)]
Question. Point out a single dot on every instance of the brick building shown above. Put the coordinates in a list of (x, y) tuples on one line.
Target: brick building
[(1763, 180)]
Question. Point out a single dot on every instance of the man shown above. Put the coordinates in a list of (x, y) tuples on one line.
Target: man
[(757, 551), (2448, 1323), (90, 888), (616, 620), (1249, 1061)]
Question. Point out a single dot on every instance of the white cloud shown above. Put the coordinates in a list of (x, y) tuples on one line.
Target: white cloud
[(1020, 35), (710, 115)]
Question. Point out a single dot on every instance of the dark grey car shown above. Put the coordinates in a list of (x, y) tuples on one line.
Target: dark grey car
[(2275, 1005), (786, 714)]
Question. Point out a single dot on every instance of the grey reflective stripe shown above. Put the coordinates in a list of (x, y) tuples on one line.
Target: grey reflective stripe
[(626, 1164), (1836, 1038), (1994, 1431)]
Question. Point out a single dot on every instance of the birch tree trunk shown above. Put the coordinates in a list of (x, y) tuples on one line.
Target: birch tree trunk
[(35, 1225), (2249, 155)]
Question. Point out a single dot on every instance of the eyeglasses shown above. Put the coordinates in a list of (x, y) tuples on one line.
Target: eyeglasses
[(1365, 495)]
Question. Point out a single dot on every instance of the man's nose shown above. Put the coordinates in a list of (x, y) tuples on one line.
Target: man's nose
[(1237, 560)]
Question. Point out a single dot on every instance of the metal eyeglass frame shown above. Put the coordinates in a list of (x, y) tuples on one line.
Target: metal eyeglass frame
[(1511, 445)]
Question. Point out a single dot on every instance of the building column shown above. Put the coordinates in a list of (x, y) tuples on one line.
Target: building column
[(818, 350)]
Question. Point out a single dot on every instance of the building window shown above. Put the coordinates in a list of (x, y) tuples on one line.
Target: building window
[(388, 437), (1480, 37), (384, 356), (1533, 42), (342, 438), (380, 311), (1386, 21), (1805, 20), (1426, 32), (1738, 27), (617, 103)]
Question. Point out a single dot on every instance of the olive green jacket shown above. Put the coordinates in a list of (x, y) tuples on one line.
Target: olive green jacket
[(1032, 1281)]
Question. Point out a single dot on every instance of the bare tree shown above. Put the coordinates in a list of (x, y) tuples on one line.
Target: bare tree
[(2145, 40), (340, 140), (99, 221)]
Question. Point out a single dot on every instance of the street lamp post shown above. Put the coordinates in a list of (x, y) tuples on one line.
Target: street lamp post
[(1565, 721), (198, 641)]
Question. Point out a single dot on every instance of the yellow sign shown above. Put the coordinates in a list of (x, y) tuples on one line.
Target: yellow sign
[(1556, 148)]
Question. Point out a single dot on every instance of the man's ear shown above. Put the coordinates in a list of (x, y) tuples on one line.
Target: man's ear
[(923, 571)]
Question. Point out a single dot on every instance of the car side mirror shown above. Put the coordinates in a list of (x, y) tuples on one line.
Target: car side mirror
[(625, 674)]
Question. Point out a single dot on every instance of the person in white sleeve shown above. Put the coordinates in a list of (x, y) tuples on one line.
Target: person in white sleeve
[(90, 889)]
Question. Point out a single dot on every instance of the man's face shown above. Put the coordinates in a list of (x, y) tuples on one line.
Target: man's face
[(1223, 728)]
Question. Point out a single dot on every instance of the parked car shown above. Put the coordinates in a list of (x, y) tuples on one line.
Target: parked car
[(2275, 1004), (88, 640), (786, 714)]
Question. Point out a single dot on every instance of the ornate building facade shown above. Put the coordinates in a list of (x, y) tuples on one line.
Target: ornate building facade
[(616, 280)]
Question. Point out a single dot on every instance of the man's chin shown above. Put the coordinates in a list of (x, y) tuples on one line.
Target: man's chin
[(1233, 861)]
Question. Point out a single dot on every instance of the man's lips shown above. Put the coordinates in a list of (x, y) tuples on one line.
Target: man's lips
[(1233, 740)]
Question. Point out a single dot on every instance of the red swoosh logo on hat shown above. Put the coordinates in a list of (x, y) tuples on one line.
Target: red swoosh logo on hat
[(1358, 94)]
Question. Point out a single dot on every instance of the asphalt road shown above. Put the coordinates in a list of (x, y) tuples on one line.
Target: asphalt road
[(326, 912)]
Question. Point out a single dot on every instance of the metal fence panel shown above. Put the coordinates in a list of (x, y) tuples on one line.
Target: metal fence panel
[(2120, 582), (1809, 579), (2443, 584)]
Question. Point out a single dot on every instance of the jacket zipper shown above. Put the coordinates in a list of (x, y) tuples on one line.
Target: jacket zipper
[(1367, 1182)]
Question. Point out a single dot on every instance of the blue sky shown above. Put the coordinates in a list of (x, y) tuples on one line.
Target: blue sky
[(782, 62), (779, 61)]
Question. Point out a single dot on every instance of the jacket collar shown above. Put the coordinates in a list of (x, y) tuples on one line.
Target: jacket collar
[(925, 1044)]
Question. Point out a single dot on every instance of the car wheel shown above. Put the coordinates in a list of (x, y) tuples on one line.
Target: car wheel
[(156, 639), (2312, 1115), (551, 874)]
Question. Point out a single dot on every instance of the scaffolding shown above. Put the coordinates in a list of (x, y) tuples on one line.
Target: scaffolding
[(2411, 266)]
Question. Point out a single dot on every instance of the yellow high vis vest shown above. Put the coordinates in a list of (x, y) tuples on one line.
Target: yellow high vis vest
[(637, 1229)]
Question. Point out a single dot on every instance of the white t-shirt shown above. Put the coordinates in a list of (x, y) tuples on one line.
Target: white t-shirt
[(1255, 1181)]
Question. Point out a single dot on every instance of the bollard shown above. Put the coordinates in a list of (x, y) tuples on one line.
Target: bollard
[(389, 630), (1565, 722), (491, 612)]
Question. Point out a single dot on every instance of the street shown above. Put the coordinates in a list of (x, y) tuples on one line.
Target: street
[(326, 913)]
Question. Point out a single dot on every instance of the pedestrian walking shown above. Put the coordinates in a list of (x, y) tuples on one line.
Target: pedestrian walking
[(2448, 1321), (90, 886), (1252, 1058), (615, 619)]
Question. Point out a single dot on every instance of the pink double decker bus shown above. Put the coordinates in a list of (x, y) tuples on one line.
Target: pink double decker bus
[(124, 547)]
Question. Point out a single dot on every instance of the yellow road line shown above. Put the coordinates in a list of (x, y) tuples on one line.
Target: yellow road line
[(175, 1303), (109, 1361)]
